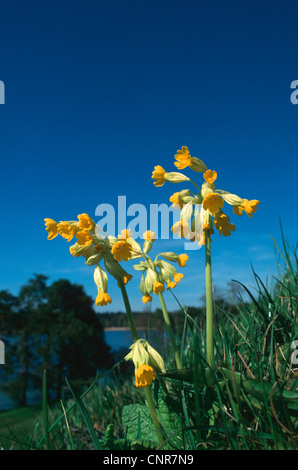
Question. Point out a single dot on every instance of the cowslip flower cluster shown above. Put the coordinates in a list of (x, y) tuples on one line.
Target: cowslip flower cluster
[(203, 210), (146, 361), (158, 273), (94, 247)]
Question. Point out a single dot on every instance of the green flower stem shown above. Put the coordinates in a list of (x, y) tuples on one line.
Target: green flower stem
[(155, 420), (135, 338), (209, 300), (195, 185), (129, 312), (170, 331)]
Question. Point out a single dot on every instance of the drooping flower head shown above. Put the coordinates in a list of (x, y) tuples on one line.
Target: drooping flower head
[(146, 360), (199, 212), (159, 274), (93, 248)]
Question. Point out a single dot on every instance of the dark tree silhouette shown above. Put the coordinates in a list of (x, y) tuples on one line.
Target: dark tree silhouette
[(54, 328)]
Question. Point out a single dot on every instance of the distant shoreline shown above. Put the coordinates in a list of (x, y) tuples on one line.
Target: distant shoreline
[(125, 328), (117, 328)]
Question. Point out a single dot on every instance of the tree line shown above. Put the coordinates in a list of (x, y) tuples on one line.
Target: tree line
[(54, 328)]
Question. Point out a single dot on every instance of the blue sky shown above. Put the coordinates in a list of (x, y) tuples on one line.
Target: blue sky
[(99, 92)]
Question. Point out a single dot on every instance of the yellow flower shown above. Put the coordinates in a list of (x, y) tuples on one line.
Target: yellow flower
[(210, 176), (213, 202), (171, 285), (249, 207), (66, 230), (126, 278), (84, 237), (144, 375), (178, 277), (51, 228), (148, 235), (122, 250), (223, 225), (182, 259), (159, 175), (125, 234), (183, 158), (158, 287), (103, 299), (174, 199), (146, 298), (85, 222), (182, 228)]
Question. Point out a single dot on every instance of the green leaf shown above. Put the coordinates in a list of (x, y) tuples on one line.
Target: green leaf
[(169, 412), (204, 376), (137, 423), (143, 444)]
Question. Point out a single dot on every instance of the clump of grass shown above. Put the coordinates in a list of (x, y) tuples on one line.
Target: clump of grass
[(250, 400)]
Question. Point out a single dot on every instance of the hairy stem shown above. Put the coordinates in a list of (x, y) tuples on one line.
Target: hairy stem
[(209, 300), (170, 331), (129, 312), (135, 338)]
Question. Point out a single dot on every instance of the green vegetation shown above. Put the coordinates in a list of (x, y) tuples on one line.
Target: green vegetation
[(51, 328), (248, 401)]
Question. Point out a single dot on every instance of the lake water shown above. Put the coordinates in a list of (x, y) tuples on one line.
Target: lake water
[(116, 339)]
